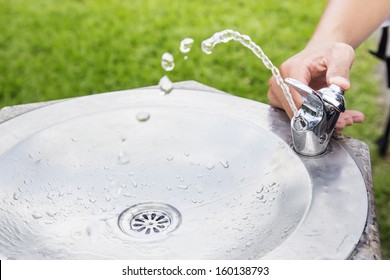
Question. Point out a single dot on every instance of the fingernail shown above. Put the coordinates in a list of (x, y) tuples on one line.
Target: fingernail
[(341, 82)]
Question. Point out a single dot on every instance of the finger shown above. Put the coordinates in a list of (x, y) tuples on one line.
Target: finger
[(339, 64), (358, 117), (348, 121), (340, 124), (277, 98)]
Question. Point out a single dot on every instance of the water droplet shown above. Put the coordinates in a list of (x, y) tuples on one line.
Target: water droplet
[(16, 196), (76, 234), (36, 216), (123, 157), (92, 200), (143, 116), (260, 197), (210, 166), (187, 154), (134, 183), (170, 158), (224, 163), (165, 84), (169, 188), (183, 187), (186, 44), (51, 213), (260, 190), (167, 62)]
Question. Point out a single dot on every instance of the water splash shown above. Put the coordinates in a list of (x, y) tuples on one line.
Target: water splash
[(228, 35)]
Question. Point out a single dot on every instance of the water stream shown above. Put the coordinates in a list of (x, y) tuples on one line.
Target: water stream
[(225, 36)]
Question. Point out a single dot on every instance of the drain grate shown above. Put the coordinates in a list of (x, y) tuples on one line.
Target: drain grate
[(148, 220)]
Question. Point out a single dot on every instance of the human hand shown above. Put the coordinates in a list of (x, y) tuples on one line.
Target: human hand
[(318, 66)]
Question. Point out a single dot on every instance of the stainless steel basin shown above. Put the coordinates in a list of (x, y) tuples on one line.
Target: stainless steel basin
[(191, 175)]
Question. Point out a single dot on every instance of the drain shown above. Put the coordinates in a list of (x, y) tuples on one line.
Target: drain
[(149, 220)]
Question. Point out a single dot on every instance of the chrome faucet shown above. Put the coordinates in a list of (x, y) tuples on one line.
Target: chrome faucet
[(313, 125)]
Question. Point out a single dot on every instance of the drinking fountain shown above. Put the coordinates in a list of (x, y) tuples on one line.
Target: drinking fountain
[(194, 174)]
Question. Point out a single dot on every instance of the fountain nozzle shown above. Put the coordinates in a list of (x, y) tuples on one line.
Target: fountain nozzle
[(313, 125)]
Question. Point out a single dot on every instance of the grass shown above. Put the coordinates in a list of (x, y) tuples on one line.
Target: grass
[(79, 47)]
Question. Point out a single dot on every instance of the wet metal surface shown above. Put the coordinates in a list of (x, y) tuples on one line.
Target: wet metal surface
[(191, 175)]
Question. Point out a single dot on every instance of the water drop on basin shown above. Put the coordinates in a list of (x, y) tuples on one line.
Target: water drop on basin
[(143, 116), (36, 216), (167, 62), (123, 157), (16, 196), (51, 213), (224, 163), (260, 190), (210, 166), (170, 158), (186, 44)]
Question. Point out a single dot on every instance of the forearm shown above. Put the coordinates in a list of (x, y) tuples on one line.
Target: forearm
[(350, 21)]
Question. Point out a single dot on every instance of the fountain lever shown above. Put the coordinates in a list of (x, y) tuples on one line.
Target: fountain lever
[(314, 123)]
